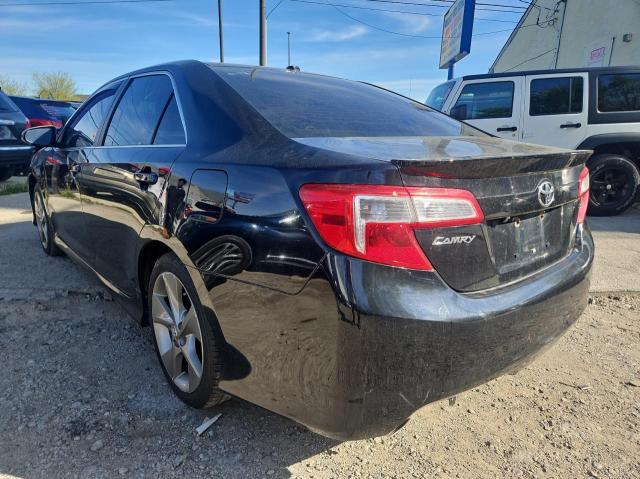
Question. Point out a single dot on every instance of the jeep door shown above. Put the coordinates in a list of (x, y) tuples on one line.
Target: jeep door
[(493, 105), (555, 112)]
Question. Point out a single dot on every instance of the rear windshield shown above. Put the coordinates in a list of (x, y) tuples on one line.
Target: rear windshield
[(439, 95), (44, 109), (303, 106), (6, 104)]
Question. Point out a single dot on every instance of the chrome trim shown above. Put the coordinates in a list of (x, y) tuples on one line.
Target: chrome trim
[(14, 148)]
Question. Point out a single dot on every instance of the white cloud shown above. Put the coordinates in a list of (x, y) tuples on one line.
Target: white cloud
[(350, 33), (411, 24)]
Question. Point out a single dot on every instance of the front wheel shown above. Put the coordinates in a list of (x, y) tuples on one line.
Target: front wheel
[(186, 342), (613, 184), (44, 224)]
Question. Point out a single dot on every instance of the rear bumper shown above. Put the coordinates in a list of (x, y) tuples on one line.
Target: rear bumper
[(355, 359), (18, 157)]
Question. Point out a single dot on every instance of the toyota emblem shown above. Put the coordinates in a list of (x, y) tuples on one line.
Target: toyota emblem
[(546, 193)]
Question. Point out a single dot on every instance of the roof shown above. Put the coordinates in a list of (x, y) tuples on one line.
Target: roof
[(543, 72)]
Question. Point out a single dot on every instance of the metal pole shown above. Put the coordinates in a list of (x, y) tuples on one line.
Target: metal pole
[(450, 71), (263, 33), (288, 48), (220, 31)]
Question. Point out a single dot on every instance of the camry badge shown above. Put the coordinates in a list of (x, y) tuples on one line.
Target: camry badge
[(546, 193)]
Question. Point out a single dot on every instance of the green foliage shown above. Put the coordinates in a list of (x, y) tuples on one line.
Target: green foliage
[(13, 87), (56, 85)]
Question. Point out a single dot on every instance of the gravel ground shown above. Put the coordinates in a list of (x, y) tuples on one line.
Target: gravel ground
[(82, 395)]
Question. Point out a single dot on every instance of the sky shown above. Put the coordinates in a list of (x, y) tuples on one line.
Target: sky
[(96, 42)]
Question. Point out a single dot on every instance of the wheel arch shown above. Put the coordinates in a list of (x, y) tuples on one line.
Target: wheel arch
[(624, 144), (149, 254)]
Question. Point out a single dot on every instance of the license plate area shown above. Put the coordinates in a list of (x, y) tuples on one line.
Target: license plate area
[(522, 244)]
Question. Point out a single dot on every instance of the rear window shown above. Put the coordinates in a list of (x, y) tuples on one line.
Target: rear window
[(303, 106), (38, 108), (479, 101), (6, 104), (619, 92), (439, 95), (555, 96)]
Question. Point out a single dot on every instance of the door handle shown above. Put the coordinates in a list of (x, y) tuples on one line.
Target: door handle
[(75, 169), (507, 128), (146, 177), (571, 125)]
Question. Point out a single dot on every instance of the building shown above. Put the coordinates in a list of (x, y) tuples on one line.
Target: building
[(573, 33)]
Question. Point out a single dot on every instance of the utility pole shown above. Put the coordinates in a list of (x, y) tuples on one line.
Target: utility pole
[(220, 31), (263, 33), (288, 48)]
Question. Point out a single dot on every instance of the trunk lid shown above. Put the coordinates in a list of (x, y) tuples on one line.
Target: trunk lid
[(528, 194)]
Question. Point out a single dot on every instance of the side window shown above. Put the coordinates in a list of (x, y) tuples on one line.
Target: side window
[(619, 92), (85, 128), (170, 130), (484, 100), (555, 96), (137, 115)]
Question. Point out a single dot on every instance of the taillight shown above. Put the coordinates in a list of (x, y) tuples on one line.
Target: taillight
[(27, 124), (377, 223), (583, 194), (44, 122)]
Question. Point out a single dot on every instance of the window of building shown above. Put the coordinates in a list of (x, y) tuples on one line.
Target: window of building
[(484, 100), (555, 96), (619, 92), (137, 115)]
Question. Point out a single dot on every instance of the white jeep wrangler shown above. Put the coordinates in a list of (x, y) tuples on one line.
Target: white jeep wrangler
[(590, 108)]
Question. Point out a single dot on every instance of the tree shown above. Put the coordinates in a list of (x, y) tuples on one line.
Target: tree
[(55, 86), (13, 87)]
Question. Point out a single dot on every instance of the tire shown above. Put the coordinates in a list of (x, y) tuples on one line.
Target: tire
[(194, 341), (613, 185), (44, 224), (6, 173)]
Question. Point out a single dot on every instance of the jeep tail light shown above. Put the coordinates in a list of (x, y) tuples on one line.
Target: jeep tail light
[(377, 223), (45, 122), (583, 194)]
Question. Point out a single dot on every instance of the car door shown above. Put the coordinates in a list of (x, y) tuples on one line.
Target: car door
[(493, 105), (555, 109), (125, 178), (63, 170)]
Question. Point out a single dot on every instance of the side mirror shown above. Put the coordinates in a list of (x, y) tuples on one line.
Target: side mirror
[(459, 112), (40, 136)]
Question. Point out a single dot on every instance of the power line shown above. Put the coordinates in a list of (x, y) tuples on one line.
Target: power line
[(274, 8), (407, 34), (530, 59), (482, 7), (90, 2), (396, 11)]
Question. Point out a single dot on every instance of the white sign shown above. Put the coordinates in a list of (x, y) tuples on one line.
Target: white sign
[(595, 56)]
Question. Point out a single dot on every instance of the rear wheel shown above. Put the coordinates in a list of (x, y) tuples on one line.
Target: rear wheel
[(185, 340), (43, 223), (614, 184), (6, 173)]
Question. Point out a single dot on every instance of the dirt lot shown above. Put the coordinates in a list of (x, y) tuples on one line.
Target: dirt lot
[(82, 395)]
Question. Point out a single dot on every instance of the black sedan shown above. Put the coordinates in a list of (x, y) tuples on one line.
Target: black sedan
[(323, 248), (14, 154)]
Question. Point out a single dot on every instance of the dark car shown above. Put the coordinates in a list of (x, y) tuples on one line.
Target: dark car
[(42, 112), (14, 154), (323, 248)]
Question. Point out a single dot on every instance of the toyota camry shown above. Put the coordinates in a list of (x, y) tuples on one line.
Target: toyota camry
[(323, 248)]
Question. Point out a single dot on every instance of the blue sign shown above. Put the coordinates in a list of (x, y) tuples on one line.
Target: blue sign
[(456, 32)]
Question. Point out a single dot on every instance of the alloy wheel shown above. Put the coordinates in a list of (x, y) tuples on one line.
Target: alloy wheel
[(177, 332), (41, 220), (610, 186)]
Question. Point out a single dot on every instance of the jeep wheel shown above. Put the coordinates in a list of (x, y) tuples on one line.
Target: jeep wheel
[(613, 185)]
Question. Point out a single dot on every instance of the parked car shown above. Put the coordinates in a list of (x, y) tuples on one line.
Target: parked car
[(14, 154), (326, 249), (592, 108), (41, 111)]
